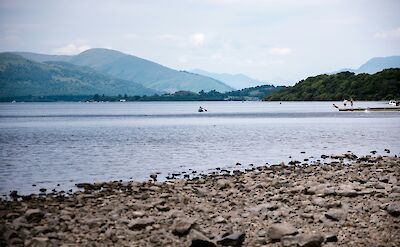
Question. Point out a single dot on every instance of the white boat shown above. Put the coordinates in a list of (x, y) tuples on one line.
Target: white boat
[(394, 102)]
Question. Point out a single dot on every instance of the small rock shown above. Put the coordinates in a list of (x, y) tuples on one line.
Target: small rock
[(310, 240), (331, 238), (39, 242), (234, 239), (182, 227), (138, 224), (289, 241), (138, 214), (336, 214), (199, 240), (277, 231), (220, 219), (394, 209), (34, 215)]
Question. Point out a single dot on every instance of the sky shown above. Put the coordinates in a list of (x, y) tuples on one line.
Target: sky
[(275, 41)]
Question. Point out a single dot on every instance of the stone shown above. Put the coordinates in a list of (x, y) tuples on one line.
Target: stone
[(39, 242), (220, 219), (347, 191), (34, 215), (182, 226), (234, 239), (139, 224), (277, 231), (199, 240), (138, 214), (336, 214), (331, 237), (311, 240), (394, 209), (289, 241)]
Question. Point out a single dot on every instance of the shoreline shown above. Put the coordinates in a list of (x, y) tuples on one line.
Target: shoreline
[(335, 204)]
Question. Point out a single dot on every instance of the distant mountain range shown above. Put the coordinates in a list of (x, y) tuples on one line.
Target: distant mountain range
[(237, 81), (131, 68), (375, 64)]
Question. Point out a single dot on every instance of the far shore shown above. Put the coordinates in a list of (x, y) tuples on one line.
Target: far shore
[(351, 201)]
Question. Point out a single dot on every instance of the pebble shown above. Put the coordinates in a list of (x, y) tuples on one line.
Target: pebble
[(277, 231), (394, 209), (234, 239), (182, 226), (34, 215)]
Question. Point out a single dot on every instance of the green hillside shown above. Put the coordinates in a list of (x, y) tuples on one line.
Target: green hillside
[(384, 85), (22, 77), (132, 68)]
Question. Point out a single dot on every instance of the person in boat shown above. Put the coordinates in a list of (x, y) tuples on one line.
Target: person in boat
[(201, 109), (351, 102), (345, 102)]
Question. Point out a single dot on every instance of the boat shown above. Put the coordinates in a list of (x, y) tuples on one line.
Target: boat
[(367, 109), (201, 109), (394, 102)]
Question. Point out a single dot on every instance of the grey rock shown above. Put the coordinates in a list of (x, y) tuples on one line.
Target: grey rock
[(200, 240), (277, 231), (181, 226), (138, 224), (289, 241), (34, 215), (331, 237), (311, 240), (394, 209), (39, 242), (336, 214), (138, 214), (234, 239)]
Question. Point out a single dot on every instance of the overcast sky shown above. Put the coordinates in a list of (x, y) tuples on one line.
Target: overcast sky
[(267, 40)]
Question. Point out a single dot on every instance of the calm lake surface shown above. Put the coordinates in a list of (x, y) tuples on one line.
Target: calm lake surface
[(65, 143)]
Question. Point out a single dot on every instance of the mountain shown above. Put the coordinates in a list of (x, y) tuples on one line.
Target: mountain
[(132, 68), (237, 81), (384, 85), (21, 77), (376, 64)]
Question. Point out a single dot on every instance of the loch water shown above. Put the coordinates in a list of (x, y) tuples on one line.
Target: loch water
[(66, 143)]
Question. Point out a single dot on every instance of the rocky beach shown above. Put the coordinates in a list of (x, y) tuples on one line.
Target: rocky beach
[(348, 201)]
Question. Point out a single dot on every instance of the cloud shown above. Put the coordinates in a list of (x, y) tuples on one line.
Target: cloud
[(72, 49), (198, 39), (280, 51), (394, 33)]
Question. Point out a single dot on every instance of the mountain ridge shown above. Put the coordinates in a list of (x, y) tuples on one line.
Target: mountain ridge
[(21, 77), (374, 65), (129, 67), (237, 81)]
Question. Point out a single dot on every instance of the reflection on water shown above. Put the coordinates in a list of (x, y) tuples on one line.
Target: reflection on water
[(65, 143)]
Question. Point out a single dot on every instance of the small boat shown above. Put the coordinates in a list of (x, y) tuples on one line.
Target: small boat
[(394, 102), (201, 109), (368, 109)]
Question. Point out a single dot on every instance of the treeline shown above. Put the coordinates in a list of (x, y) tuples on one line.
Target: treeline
[(384, 85), (51, 98), (254, 93)]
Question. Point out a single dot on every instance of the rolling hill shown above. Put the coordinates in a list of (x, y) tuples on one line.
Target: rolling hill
[(21, 77), (132, 68), (384, 85)]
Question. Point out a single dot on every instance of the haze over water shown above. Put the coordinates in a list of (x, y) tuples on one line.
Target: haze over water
[(65, 143)]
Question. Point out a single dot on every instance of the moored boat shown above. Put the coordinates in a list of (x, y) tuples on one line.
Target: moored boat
[(368, 109)]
